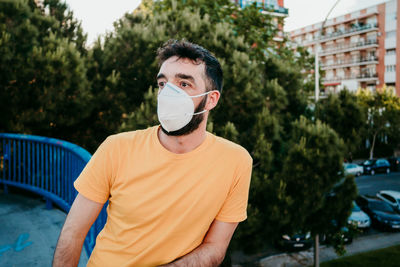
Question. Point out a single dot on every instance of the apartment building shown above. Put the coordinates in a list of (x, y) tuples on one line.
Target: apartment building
[(275, 8), (358, 49)]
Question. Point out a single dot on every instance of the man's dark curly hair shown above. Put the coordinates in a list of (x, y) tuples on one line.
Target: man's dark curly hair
[(199, 55)]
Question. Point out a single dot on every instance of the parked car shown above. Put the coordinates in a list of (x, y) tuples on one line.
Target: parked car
[(390, 197), (394, 163), (352, 168), (298, 241), (373, 166), (359, 218), (381, 213)]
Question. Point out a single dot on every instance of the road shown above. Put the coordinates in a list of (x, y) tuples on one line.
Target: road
[(370, 185), (366, 185)]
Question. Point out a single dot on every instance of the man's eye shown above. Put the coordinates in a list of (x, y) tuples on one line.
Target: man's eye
[(161, 84), (184, 84)]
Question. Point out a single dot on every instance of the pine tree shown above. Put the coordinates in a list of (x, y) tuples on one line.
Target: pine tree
[(343, 113), (262, 98), (44, 89)]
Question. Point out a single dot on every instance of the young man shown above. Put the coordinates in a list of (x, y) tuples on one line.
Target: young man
[(176, 192)]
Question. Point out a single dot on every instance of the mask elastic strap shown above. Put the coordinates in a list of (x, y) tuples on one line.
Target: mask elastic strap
[(197, 113), (206, 93)]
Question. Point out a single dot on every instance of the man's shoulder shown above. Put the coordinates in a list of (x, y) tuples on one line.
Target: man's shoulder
[(131, 135), (234, 149)]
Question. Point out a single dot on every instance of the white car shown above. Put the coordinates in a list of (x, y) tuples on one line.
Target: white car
[(390, 197), (351, 168), (359, 218)]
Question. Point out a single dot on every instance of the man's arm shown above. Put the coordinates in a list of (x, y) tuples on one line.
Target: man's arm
[(212, 251), (79, 220)]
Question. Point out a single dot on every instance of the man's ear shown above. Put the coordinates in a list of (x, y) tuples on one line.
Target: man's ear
[(212, 99)]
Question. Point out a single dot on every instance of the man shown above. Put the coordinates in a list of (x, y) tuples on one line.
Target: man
[(176, 192)]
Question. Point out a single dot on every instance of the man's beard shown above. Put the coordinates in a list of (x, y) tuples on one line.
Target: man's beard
[(193, 124)]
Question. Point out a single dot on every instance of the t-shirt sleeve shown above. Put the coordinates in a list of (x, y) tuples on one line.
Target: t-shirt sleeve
[(94, 182), (234, 208)]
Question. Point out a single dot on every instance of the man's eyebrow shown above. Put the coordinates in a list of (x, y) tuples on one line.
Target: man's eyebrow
[(184, 76), (160, 76)]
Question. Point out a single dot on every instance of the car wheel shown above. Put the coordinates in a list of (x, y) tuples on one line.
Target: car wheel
[(372, 172), (387, 170), (358, 174)]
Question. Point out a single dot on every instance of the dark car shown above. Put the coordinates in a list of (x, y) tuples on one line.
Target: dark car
[(298, 241), (373, 166), (394, 163), (381, 213)]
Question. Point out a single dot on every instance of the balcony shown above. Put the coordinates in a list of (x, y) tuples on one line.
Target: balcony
[(363, 77), (359, 29), (349, 47), (349, 63), (266, 6)]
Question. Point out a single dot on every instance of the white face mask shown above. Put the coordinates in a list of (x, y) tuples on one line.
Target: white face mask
[(175, 107)]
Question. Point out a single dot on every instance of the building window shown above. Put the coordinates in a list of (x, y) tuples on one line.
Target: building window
[(391, 34), (391, 16), (391, 68), (391, 51)]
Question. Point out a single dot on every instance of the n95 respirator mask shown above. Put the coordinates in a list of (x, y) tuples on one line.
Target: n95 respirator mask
[(175, 108)]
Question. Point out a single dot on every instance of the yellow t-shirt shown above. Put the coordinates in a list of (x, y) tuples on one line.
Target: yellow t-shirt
[(161, 204)]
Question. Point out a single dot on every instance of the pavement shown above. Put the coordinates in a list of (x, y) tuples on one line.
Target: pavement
[(28, 231), (306, 258)]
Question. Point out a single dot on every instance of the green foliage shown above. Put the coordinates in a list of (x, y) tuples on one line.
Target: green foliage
[(144, 116), (343, 113), (257, 29), (55, 87), (257, 107), (389, 257), (361, 117), (66, 26), (44, 89), (308, 177), (383, 119)]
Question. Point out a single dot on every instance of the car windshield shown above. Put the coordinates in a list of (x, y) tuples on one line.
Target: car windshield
[(380, 206), (355, 208), (368, 162)]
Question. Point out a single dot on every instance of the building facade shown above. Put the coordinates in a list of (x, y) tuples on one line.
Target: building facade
[(275, 8), (359, 49)]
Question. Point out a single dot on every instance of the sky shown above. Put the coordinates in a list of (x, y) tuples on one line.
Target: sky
[(97, 16)]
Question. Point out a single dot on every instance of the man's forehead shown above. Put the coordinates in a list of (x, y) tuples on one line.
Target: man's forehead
[(182, 65)]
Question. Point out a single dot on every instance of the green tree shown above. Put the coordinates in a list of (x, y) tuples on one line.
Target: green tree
[(44, 89), (263, 96), (383, 118), (343, 113)]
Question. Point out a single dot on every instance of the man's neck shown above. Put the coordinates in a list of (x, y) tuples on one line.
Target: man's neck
[(185, 143)]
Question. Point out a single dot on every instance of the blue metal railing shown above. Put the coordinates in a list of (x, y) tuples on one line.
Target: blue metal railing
[(48, 167)]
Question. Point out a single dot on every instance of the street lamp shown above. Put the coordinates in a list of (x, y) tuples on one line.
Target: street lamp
[(316, 239), (316, 54)]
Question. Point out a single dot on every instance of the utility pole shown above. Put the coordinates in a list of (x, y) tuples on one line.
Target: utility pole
[(317, 45), (316, 250)]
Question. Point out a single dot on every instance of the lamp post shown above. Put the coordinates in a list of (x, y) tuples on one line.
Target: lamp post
[(317, 44), (316, 53)]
